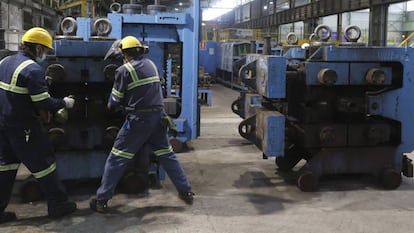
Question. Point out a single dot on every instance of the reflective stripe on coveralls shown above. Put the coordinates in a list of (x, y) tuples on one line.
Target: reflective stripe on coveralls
[(9, 167), (164, 151), (155, 67), (123, 154), (12, 87), (45, 172), (128, 155), (136, 82), (40, 97), (117, 93)]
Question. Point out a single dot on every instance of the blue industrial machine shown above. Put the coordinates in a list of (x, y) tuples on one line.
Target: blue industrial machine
[(344, 109), (232, 55), (208, 57), (77, 67)]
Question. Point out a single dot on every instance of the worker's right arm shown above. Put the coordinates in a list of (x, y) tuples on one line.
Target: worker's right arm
[(39, 93), (118, 90)]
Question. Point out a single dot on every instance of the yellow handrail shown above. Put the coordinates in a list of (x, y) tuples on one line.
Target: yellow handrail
[(405, 42)]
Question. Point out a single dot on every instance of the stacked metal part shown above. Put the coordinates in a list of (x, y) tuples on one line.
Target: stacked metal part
[(344, 109), (204, 79)]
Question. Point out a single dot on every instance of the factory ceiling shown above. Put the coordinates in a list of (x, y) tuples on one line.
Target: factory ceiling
[(169, 3)]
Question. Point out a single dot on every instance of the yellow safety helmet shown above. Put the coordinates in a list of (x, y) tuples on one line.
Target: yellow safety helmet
[(38, 35), (129, 42)]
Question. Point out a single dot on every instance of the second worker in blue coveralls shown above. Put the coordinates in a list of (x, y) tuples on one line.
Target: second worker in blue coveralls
[(137, 88)]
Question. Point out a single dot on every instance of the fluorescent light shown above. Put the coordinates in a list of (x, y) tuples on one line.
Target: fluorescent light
[(221, 7), (410, 5)]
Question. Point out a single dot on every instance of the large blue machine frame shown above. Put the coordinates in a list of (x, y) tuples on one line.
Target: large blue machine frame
[(366, 133), (165, 27), (152, 30)]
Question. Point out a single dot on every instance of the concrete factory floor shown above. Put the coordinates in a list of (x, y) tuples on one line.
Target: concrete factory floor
[(236, 191)]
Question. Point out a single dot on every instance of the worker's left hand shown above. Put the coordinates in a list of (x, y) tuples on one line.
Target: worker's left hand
[(168, 123)]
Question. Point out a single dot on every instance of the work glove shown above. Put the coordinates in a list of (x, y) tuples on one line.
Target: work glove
[(69, 101), (168, 123), (61, 116)]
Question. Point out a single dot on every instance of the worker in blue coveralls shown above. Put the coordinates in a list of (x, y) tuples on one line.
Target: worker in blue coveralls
[(23, 93), (137, 88)]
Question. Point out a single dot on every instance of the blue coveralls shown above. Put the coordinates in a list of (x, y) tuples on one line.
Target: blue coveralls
[(137, 87), (23, 91)]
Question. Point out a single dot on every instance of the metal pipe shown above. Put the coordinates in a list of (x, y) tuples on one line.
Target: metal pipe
[(266, 46)]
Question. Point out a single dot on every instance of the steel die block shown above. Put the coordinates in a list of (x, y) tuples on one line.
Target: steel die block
[(271, 76), (270, 132)]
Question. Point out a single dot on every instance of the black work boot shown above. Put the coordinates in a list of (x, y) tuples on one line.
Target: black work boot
[(188, 198), (7, 217), (100, 206), (61, 209)]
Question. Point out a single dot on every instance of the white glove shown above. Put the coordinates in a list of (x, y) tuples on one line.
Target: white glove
[(69, 102)]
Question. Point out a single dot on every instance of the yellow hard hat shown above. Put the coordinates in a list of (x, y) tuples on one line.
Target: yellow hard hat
[(129, 42), (38, 35)]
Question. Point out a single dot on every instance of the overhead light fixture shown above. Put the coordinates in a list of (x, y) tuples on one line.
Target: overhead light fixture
[(181, 3), (264, 7), (218, 8)]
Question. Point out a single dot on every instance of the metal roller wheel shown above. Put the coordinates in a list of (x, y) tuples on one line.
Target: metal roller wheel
[(57, 137), (313, 37), (115, 7), (352, 33), (109, 72), (323, 32), (235, 106), (69, 26), (292, 38), (102, 27), (307, 182), (390, 179), (56, 72)]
